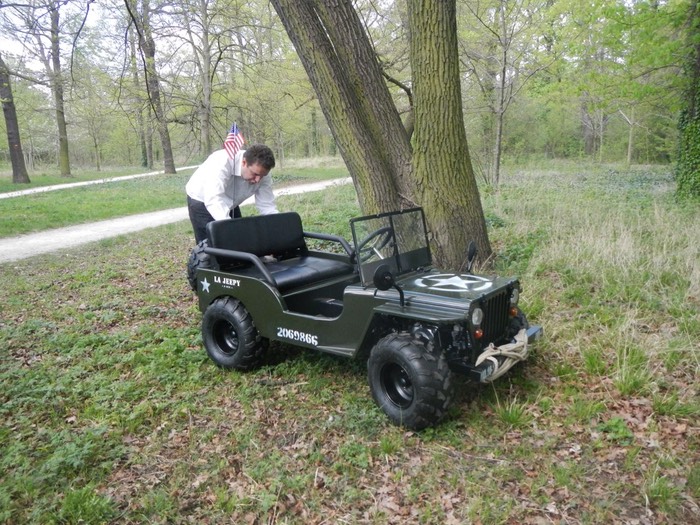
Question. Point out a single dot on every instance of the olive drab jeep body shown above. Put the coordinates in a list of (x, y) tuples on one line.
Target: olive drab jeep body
[(379, 299)]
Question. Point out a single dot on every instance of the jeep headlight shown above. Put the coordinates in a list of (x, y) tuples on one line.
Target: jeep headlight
[(515, 297), (477, 316)]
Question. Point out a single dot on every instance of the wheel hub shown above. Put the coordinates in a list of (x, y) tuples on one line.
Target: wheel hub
[(397, 385), (226, 337)]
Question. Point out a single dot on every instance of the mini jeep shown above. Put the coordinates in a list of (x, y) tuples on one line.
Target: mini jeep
[(381, 300)]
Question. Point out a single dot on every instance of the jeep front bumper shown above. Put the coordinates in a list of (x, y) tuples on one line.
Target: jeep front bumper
[(495, 361)]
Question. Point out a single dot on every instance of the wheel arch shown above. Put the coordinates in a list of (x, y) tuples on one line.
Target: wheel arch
[(380, 326)]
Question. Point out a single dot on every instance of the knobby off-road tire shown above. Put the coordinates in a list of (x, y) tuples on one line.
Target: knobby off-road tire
[(230, 337), (198, 259), (410, 381)]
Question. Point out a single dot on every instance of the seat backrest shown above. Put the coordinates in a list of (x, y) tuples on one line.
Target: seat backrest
[(278, 234)]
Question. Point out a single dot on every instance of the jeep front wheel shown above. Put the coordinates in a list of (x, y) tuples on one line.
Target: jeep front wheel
[(230, 337), (410, 381)]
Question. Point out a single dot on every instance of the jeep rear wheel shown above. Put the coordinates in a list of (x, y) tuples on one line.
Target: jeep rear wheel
[(199, 259), (410, 381), (230, 337)]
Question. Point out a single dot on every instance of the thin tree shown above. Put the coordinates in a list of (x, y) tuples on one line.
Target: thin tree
[(14, 142), (145, 141), (388, 168), (37, 25), (503, 58), (142, 21)]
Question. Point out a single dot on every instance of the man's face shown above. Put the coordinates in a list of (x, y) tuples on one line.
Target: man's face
[(253, 173)]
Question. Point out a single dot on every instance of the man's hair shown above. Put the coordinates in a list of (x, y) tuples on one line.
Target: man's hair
[(259, 154)]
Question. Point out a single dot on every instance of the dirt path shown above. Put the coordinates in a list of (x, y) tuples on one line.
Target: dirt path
[(24, 246), (68, 185)]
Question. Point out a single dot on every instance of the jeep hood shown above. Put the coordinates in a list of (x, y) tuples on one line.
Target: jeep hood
[(440, 296)]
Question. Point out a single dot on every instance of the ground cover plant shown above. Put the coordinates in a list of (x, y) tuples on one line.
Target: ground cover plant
[(56, 209), (111, 412)]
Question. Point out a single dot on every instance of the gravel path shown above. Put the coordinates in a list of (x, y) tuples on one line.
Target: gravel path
[(24, 246)]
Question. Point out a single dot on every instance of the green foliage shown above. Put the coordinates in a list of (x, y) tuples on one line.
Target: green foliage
[(85, 505), (614, 60), (688, 167), (616, 430)]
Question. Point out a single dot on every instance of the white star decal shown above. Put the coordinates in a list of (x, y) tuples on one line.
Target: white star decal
[(455, 282), (205, 285)]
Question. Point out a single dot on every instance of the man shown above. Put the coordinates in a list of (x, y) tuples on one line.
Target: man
[(219, 185)]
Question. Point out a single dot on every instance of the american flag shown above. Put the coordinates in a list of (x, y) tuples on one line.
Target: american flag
[(234, 141)]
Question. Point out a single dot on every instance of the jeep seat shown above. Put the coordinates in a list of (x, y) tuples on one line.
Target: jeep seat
[(246, 240)]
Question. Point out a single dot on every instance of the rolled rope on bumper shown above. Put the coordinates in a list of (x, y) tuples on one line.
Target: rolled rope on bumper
[(510, 354)]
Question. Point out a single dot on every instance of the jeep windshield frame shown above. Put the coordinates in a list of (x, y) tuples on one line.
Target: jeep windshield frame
[(397, 239)]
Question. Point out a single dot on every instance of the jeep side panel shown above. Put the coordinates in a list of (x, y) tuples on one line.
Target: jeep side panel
[(339, 335)]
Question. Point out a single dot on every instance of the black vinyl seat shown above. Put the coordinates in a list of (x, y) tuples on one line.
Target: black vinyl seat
[(245, 241)]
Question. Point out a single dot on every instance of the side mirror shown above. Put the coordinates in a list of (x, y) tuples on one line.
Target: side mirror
[(383, 279), (471, 256)]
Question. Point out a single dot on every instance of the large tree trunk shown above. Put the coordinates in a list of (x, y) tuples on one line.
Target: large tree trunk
[(57, 88), (442, 166), (19, 169), (345, 73)]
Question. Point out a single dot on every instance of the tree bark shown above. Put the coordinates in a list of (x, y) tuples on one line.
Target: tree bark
[(57, 88), (388, 173), (343, 69), (14, 142), (146, 159), (446, 186), (148, 48)]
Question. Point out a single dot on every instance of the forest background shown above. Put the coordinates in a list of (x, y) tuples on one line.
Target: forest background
[(563, 79), (110, 409)]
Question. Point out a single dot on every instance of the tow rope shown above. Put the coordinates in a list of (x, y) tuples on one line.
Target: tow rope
[(512, 352)]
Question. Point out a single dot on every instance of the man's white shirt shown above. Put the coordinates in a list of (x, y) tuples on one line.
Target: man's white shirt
[(219, 185)]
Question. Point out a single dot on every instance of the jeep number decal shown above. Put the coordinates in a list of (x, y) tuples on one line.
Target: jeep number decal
[(295, 335)]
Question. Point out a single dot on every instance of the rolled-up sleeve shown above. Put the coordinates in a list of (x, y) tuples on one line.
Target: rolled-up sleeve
[(265, 197), (216, 197)]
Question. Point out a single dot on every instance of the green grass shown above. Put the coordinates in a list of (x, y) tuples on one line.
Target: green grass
[(60, 208), (110, 411), (50, 177)]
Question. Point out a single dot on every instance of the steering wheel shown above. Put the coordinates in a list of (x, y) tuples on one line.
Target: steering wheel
[(374, 242)]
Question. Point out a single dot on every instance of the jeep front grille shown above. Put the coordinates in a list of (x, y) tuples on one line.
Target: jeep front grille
[(495, 316)]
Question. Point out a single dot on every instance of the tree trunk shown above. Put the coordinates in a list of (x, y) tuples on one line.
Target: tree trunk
[(14, 142), (57, 88), (138, 101), (630, 139), (445, 181), (148, 48), (388, 174), (498, 147), (501, 87), (206, 75), (96, 147), (345, 74)]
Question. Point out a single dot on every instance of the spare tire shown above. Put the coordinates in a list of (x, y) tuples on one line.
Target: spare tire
[(199, 259)]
